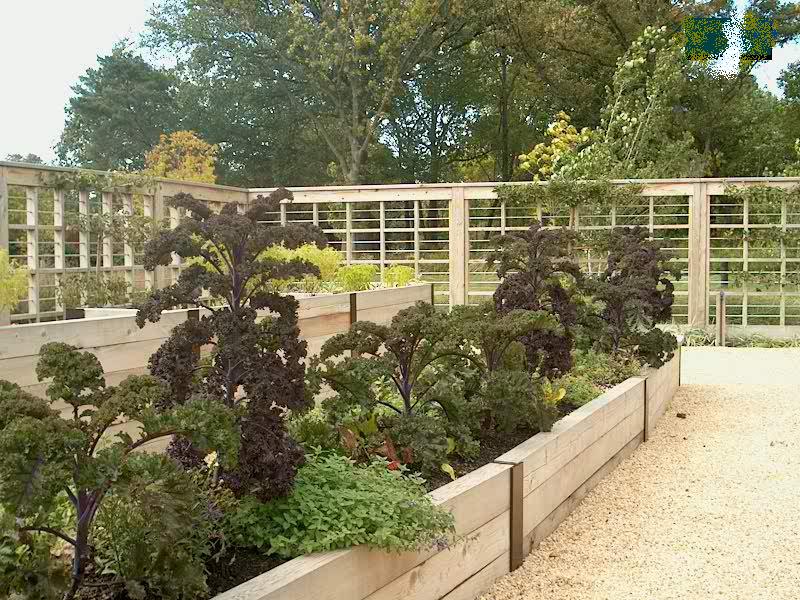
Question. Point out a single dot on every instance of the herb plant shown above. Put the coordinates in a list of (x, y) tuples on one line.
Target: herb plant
[(337, 504), (356, 278), (45, 458), (256, 366)]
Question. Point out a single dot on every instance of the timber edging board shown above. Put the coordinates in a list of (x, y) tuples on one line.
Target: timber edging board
[(502, 510)]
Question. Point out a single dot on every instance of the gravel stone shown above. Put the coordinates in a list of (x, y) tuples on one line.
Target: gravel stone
[(708, 508)]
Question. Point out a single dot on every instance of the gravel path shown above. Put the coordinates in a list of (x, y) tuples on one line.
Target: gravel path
[(708, 508)]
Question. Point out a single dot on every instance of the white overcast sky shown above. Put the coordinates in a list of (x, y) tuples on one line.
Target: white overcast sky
[(46, 45)]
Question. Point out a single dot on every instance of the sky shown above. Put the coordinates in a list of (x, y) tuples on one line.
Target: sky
[(47, 44)]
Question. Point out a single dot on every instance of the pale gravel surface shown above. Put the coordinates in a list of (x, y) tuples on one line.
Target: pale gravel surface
[(708, 508)]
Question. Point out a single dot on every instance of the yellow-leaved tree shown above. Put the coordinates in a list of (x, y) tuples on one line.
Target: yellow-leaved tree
[(182, 155)]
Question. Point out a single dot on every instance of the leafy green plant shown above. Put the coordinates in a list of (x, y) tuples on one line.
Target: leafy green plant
[(636, 293), (605, 370), (537, 274), (327, 260), (337, 503), (44, 457), (409, 374), (546, 401), (398, 276), (257, 366), (579, 389), (87, 289), (505, 389), (13, 282), (356, 278)]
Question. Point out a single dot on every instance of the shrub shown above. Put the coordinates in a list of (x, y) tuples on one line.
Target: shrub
[(337, 504), (257, 367), (44, 458), (636, 294), (536, 274), (398, 276), (605, 370), (409, 374), (356, 278), (89, 289)]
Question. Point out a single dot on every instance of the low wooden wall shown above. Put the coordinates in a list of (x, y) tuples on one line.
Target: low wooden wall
[(124, 349), (502, 510)]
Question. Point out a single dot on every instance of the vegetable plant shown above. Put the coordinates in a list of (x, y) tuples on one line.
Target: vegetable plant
[(13, 282), (45, 458), (537, 274), (506, 387), (398, 276), (337, 503), (635, 292), (356, 278), (409, 374), (257, 366)]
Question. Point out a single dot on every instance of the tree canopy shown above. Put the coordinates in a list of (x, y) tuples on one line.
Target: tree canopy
[(435, 90)]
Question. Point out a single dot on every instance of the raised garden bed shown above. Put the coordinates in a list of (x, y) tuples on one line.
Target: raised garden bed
[(502, 510), (124, 349)]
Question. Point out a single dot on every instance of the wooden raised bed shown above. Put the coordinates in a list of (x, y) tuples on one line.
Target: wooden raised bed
[(502, 510), (124, 349)]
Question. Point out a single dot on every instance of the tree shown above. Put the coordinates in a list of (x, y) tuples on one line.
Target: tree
[(29, 158), (257, 366), (182, 155), (45, 458), (340, 64), (117, 113)]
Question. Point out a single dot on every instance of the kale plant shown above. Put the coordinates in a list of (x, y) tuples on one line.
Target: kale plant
[(257, 364), (45, 458), (537, 274), (635, 293), (407, 373), (506, 389)]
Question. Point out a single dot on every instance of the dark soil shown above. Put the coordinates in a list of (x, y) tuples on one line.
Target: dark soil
[(237, 567)]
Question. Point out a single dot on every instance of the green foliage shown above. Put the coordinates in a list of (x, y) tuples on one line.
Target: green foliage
[(312, 430), (597, 196), (409, 375), (87, 289), (398, 276), (579, 389), (337, 504), (356, 278), (117, 112), (327, 260), (45, 458), (13, 282), (605, 370), (635, 292)]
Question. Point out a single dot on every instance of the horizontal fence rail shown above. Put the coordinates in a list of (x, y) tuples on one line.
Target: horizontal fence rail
[(444, 232)]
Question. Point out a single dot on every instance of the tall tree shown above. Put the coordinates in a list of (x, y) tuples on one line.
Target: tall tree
[(117, 113), (339, 64)]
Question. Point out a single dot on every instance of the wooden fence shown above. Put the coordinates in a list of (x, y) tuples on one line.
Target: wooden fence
[(444, 232)]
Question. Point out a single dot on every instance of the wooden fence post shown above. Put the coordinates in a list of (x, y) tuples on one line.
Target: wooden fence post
[(4, 314), (458, 246), (699, 215)]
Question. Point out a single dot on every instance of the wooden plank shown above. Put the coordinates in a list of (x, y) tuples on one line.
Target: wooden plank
[(459, 238), (446, 570), (391, 296), (481, 581), (548, 525), (698, 256)]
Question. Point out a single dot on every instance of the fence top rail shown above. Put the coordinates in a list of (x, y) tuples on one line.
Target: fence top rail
[(52, 169)]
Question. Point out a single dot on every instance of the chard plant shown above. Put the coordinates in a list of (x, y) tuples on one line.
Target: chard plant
[(257, 360), (46, 460)]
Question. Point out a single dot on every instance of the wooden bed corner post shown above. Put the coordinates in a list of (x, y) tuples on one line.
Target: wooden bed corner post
[(516, 521)]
